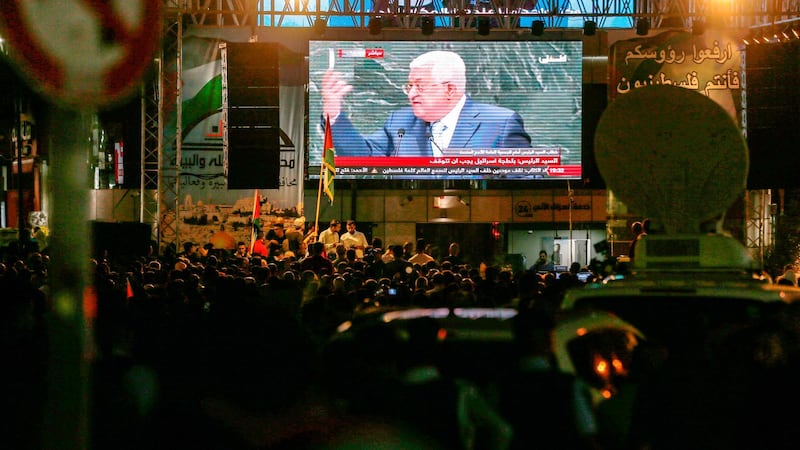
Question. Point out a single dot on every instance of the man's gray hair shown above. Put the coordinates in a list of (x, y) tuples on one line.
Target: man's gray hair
[(445, 67)]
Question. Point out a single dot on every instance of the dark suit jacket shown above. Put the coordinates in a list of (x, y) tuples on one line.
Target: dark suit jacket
[(479, 126)]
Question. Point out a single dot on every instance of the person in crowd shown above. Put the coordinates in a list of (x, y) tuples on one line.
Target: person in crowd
[(441, 115), (354, 239), (388, 255), (206, 250), (529, 288), (444, 291), (398, 264), (351, 257), (637, 230), (570, 278), (505, 287), (310, 234), (330, 235), (574, 268), (260, 246), (408, 250), (241, 250), (190, 252), (315, 261), (788, 277), (275, 238), (295, 236), (453, 255), (542, 264), (179, 300), (421, 256), (419, 296), (373, 259), (373, 252), (341, 255), (650, 226)]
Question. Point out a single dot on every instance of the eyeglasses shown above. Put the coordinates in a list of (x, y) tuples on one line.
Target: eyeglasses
[(407, 88)]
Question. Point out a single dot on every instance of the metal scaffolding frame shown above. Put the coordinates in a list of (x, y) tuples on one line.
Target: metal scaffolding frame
[(151, 150), (758, 222), (161, 172), (161, 175), (505, 14)]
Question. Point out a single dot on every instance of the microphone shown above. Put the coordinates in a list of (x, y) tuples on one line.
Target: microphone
[(430, 138), (400, 133)]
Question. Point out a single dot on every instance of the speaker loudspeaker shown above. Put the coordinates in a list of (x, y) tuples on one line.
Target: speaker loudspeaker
[(772, 114), (253, 115)]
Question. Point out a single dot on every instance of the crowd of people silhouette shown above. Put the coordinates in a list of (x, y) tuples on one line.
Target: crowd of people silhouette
[(225, 351)]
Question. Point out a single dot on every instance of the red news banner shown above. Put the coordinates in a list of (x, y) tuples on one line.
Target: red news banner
[(509, 162)]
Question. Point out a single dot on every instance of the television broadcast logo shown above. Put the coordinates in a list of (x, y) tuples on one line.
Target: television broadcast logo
[(368, 53)]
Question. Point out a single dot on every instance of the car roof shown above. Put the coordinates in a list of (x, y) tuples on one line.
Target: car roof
[(492, 326), (678, 287), (701, 265)]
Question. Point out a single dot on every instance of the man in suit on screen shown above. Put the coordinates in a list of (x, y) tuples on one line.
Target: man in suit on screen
[(441, 115)]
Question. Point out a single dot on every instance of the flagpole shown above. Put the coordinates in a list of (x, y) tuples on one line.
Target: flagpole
[(327, 145), (253, 225), (319, 195)]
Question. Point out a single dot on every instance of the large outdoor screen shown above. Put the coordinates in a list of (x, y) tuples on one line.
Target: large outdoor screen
[(485, 110)]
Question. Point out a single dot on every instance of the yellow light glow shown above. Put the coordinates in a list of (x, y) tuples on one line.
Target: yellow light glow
[(601, 367)]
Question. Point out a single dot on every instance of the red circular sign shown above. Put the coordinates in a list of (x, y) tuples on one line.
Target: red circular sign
[(83, 53)]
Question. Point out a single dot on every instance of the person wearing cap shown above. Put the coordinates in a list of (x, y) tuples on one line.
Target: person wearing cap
[(354, 239), (294, 236), (330, 235)]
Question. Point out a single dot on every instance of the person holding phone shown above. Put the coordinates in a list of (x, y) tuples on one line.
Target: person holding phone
[(440, 115)]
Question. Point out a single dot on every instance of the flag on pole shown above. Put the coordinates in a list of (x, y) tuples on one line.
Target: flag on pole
[(328, 153), (256, 219), (128, 289)]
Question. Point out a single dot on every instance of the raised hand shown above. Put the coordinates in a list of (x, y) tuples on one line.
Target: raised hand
[(334, 89)]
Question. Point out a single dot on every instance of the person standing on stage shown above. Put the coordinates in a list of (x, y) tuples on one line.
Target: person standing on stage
[(354, 239), (330, 235)]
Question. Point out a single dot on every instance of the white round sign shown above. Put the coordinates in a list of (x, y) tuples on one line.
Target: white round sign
[(84, 54)]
